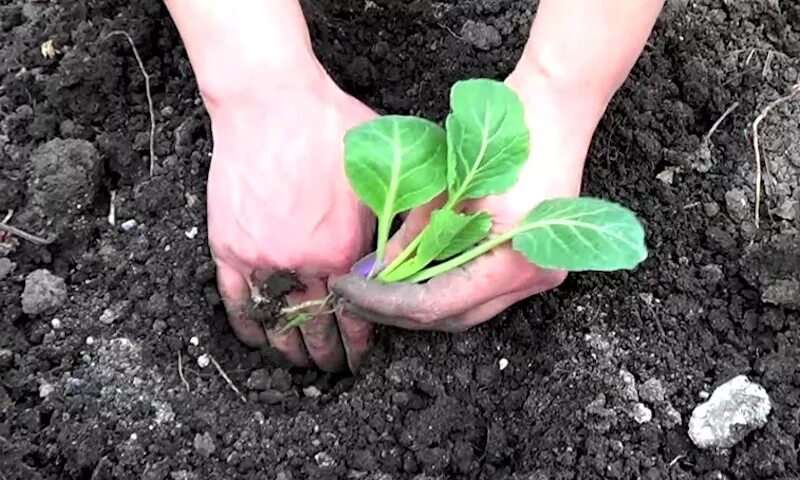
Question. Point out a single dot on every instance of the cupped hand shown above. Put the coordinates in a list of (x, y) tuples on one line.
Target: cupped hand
[(278, 199), (478, 291)]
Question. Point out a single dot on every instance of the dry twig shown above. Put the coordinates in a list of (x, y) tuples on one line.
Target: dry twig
[(716, 124), (226, 378), (27, 236), (795, 90), (147, 91), (180, 371)]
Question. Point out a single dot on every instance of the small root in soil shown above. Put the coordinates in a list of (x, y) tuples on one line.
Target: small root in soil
[(180, 371), (147, 92), (794, 91), (226, 378), (6, 229), (721, 118)]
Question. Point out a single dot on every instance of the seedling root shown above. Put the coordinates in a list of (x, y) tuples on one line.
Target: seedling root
[(147, 92), (795, 90)]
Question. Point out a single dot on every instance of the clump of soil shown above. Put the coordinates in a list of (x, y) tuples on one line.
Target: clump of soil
[(594, 380)]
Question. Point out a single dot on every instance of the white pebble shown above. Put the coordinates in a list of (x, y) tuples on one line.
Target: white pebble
[(203, 361), (128, 225), (45, 390), (736, 408), (191, 233), (134, 437), (503, 363), (641, 414), (194, 341), (89, 340), (311, 392), (55, 323)]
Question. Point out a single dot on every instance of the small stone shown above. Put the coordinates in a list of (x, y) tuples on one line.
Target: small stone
[(43, 291), (311, 392), (194, 341), (652, 391), (711, 209), (114, 312), (74, 385), (128, 225), (736, 408), (204, 444), (736, 204), (711, 274), (167, 111), (628, 392), (640, 413), (7, 267), (271, 397), (191, 233), (259, 380), (324, 460), (502, 364), (89, 340), (481, 35), (281, 380), (55, 323), (667, 175), (6, 358), (45, 389), (672, 417), (788, 210), (283, 476), (203, 361), (159, 327)]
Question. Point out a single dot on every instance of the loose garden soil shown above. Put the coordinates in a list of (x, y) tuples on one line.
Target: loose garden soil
[(90, 387)]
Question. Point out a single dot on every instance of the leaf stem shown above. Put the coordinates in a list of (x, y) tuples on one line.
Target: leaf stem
[(463, 258), (411, 247)]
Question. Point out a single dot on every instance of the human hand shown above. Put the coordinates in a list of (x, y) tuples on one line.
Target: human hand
[(278, 199), (561, 130)]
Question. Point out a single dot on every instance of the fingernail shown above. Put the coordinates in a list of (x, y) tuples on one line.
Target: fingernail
[(365, 266)]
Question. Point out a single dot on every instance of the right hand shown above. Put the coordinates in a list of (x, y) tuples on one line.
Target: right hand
[(278, 198)]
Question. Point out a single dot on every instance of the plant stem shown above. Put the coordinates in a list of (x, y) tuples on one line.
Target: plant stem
[(463, 258), (412, 247), (383, 239)]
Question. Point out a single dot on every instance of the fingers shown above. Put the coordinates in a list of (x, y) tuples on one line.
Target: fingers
[(320, 335), (235, 292), (454, 301), (357, 337)]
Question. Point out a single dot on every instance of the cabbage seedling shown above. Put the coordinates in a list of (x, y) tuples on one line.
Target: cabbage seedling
[(487, 144), (397, 163)]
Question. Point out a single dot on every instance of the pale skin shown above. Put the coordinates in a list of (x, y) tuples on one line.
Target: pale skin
[(263, 87)]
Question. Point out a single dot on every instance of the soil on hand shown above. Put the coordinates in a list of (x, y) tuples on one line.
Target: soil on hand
[(595, 380)]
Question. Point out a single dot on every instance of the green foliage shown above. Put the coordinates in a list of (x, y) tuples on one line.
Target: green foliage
[(487, 139), (577, 234), (395, 163)]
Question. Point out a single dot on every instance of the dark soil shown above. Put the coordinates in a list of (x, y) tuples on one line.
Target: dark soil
[(90, 387)]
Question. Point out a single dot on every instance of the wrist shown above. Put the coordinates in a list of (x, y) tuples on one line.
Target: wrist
[(239, 48)]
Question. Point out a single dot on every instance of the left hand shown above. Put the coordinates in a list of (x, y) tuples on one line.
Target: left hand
[(561, 130)]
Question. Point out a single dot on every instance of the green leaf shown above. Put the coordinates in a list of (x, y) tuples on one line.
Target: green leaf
[(487, 139), (450, 233), (579, 234), (395, 163), (446, 235)]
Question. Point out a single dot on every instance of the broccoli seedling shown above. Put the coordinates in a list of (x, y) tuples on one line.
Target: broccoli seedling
[(396, 163)]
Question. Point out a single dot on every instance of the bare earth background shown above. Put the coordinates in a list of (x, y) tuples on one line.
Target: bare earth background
[(717, 298)]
